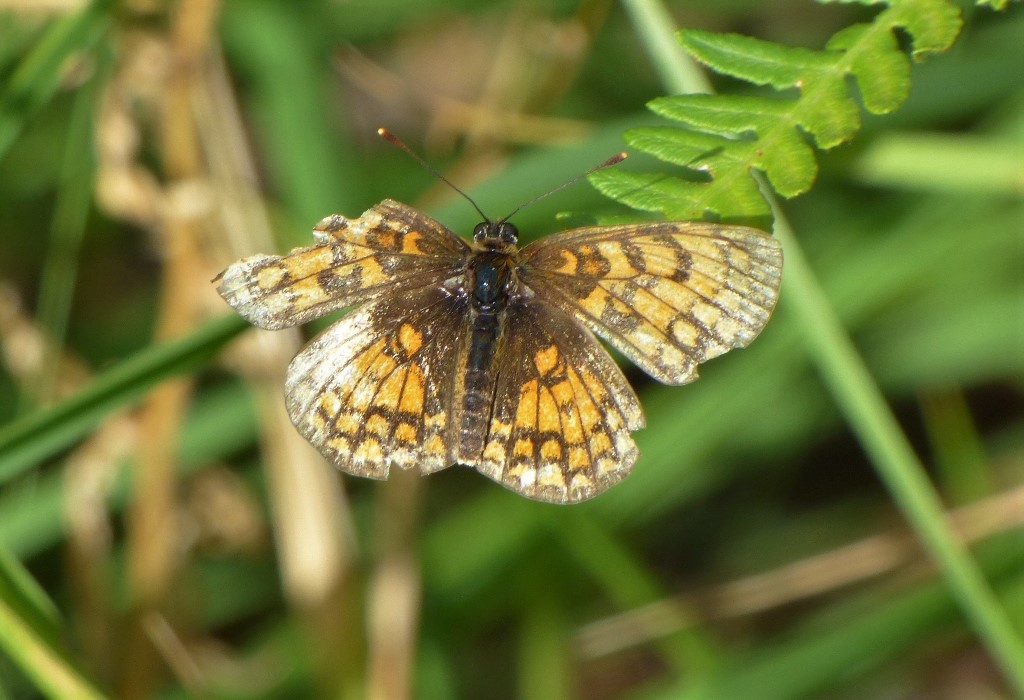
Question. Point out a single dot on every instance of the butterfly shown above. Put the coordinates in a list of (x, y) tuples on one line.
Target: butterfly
[(483, 354)]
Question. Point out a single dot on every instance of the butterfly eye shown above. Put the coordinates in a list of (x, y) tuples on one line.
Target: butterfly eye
[(507, 232), (480, 230)]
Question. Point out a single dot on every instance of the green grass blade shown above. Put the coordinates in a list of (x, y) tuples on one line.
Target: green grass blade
[(862, 402), (67, 230), (38, 75), (858, 396), (44, 433), (22, 593), (220, 422), (653, 24), (39, 657)]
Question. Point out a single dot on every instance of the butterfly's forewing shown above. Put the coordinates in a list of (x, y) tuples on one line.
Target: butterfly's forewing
[(376, 388), (562, 413), (667, 295), (390, 246)]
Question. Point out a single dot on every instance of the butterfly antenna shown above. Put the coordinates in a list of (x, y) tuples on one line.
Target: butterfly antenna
[(614, 160), (388, 136)]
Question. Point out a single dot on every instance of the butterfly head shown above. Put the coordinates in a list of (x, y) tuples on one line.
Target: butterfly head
[(496, 235)]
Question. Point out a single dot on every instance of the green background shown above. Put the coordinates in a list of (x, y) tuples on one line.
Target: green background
[(183, 540)]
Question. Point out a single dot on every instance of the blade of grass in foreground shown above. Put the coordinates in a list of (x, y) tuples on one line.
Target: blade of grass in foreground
[(38, 75), (42, 434), (67, 231), (863, 404), (29, 635), (47, 667), (20, 592)]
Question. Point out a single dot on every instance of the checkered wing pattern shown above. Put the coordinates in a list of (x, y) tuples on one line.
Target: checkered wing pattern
[(548, 414), (376, 388), (666, 295), (562, 412), (390, 246)]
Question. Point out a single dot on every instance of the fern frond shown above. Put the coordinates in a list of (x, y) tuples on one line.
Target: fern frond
[(724, 137)]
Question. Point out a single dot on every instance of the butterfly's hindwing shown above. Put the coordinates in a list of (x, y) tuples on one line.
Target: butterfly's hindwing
[(376, 388), (562, 410)]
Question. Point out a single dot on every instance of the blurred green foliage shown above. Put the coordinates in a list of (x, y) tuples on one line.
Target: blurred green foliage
[(914, 228)]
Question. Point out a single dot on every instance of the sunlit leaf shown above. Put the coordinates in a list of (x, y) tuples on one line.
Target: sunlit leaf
[(727, 137)]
